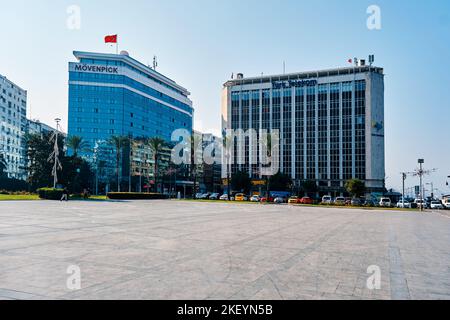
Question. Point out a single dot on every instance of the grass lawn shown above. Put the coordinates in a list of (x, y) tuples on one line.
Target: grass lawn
[(7, 197)]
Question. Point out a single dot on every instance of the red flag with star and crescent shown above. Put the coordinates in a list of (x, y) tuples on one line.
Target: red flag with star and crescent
[(111, 39)]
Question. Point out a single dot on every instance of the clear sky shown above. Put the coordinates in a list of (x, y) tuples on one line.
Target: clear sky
[(200, 43)]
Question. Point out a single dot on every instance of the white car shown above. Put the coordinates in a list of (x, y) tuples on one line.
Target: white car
[(421, 203), (214, 196), (327, 200), (224, 197), (446, 203), (436, 205), (385, 202), (279, 200), (255, 199), (403, 204)]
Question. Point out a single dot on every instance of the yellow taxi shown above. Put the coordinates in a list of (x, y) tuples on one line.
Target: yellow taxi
[(294, 200), (240, 197)]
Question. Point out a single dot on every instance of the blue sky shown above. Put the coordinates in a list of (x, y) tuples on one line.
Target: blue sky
[(200, 43)]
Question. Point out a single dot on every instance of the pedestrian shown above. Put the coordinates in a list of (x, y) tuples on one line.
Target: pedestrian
[(65, 195)]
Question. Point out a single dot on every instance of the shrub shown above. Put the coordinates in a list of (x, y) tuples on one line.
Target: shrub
[(50, 193), (136, 196), (13, 185)]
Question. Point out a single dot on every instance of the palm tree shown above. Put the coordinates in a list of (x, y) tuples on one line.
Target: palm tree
[(77, 144), (269, 151), (156, 145), (226, 146), (118, 142)]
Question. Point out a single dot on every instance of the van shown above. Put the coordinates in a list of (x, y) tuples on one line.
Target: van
[(385, 202)]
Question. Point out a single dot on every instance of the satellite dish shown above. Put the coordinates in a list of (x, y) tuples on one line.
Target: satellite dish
[(124, 53)]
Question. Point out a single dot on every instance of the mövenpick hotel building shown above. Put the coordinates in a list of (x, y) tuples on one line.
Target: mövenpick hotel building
[(114, 94), (330, 122)]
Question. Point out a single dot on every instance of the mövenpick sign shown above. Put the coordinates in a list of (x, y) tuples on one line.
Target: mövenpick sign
[(94, 68)]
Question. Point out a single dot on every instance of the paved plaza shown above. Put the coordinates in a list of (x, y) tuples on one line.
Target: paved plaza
[(194, 250)]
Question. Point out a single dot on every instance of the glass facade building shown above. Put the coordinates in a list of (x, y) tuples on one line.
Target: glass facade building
[(115, 95), (330, 122)]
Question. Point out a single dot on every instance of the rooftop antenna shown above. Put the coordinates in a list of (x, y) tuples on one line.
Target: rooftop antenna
[(284, 67), (155, 62), (371, 59)]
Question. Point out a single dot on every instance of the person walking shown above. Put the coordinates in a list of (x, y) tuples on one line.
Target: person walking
[(65, 195)]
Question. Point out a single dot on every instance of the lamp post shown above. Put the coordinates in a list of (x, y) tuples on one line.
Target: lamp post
[(421, 162)]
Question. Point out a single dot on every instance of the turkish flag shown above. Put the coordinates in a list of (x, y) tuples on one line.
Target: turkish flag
[(350, 61), (111, 39)]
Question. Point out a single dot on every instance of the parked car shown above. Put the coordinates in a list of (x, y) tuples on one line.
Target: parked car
[(306, 200), (370, 203), (214, 196), (327, 200), (264, 199), (255, 199), (204, 196), (339, 201), (446, 203), (198, 195), (403, 204), (294, 200), (385, 202), (356, 202), (279, 200), (421, 203), (240, 197), (224, 197), (348, 201), (436, 205)]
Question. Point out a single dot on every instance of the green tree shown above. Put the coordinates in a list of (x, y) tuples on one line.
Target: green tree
[(241, 181), (193, 148), (280, 182), (118, 142), (355, 187), (309, 186), (226, 147), (39, 147), (76, 144), (76, 172), (156, 145)]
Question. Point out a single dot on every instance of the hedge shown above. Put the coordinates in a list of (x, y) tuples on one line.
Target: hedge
[(136, 196), (50, 193)]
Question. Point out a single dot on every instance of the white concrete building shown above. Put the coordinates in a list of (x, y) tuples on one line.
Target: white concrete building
[(13, 124), (331, 123), (37, 127)]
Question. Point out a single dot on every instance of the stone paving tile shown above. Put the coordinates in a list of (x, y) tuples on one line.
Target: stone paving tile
[(180, 250)]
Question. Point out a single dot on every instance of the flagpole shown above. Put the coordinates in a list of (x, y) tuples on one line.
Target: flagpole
[(117, 45)]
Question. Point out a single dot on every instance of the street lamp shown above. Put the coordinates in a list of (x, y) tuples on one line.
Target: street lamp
[(421, 162)]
